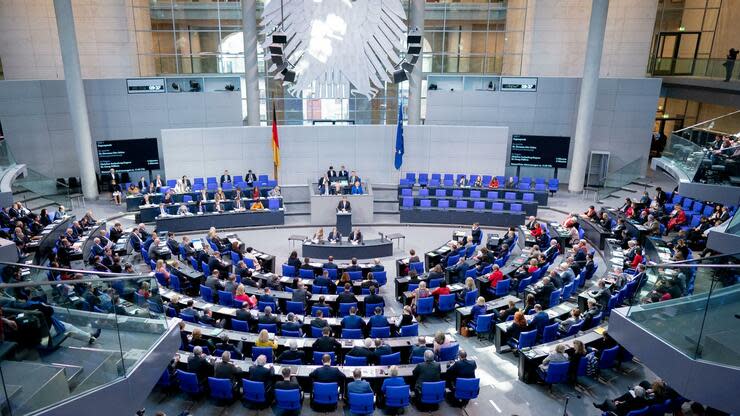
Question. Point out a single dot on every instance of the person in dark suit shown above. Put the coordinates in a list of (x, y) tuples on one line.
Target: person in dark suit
[(225, 345), (542, 294), (287, 383), (250, 178), (343, 172), (378, 320), (344, 205), (198, 363), (334, 236), (352, 321), (476, 233), (226, 177), (258, 372), (330, 261), (293, 353), (602, 294), (358, 386), (540, 320), (226, 369), (377, 267), (294, 262), (319, 321), (457, 272), (462, 368), (326, 373), (267, 296), (323, 280), (363, 351), (353, 266), (143, 185), (632, 400), (291, 324), (326, 343), (355, 236), (354, 178), (268, 317), (373, 298), (347, 296), (115, 232), (420, 349), (428, 371), (331, 173), (381, 349)]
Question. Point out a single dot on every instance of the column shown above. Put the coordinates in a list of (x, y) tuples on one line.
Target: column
[(76, 96), (416, 21), (251, 73), (587, 100)]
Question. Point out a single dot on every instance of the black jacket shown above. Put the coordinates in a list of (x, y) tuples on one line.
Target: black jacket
[(327, 374), (326, 344)]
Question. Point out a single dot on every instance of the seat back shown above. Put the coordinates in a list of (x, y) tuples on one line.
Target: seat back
[(467, 388), (503, 287), (471, 297), (452, 260), (550, 333), (345, 307), (568, 290), (432, 392), (410, 330), (457, 193), (609, 358), (483, 323), (575, 328), (271, 328), (523, 284), (425, 306), (261, 305), (306, 273), (418, 266), (188, 382), (206, 293), (325, 393), (225, 298), (440, 192), (351, 333), (449, 352), (238, 325), (295, 307), (266, 351), (324, 310), (390, 359), (254, 391), (381, 277), (397, 396), (527, 339), (515, 207), (497, 206), (510, 196), (557, 372), (528, 197), (288, 270), (380, 332), (361, 403), (443, 204), (446, 303)]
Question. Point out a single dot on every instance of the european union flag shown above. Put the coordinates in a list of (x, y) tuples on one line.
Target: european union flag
[(399, 138)]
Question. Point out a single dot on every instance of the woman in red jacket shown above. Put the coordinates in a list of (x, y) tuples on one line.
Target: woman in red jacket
[(537, 230), (678, 218)]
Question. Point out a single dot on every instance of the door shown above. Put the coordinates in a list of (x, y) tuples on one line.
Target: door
[(675, 53)]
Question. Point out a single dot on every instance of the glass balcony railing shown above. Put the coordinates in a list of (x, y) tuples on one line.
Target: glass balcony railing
[(621, 177), (689, 67), (68, 332), (6, 156), (700, 319), (695, 152)]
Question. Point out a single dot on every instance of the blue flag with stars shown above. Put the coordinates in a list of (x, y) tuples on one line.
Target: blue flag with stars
[(399, 138)]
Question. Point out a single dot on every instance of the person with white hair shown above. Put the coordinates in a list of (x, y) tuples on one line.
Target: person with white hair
[(292, 354), (427, 371), (634, 399), (199, 364), (259, 372), (226, 369), (362, 351)]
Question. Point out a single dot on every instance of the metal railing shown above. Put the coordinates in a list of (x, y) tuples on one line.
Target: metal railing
[(78, 330), (621, 177), (690, 67)]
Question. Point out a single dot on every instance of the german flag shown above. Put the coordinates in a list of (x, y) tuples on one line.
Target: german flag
[(275, 142)]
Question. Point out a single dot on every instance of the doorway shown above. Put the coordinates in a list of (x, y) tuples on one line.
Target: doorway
[(675, 53)]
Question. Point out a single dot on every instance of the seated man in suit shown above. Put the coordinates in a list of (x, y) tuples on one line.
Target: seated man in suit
[(352, 321), (377, 267), (97, 248), (319, 321), (326, 343), (378, 320), (225, 178), (358, 386), (267, 296), (324, 281), (363, 351), (381, 349), (354, 178), (225, 345), (542, 293), (292, 354), (347, 296), (462, 368), (353, 266), (268, 317), (344, 205), (326, 373), (287, 383), (428, 371), (226, 369), (334, 236), (457, 272), (355, 236), (540, 320), (330, 261), (258, 372), (199, 364), (420, 348), (373, 298), (291, 324)]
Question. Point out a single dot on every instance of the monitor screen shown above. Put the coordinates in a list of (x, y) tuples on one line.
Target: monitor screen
[(539, 151), (128, 155)]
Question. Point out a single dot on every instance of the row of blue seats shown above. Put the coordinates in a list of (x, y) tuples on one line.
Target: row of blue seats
[(444, 204), (425, 179), (474, 194), (325, 394), (287, 270)]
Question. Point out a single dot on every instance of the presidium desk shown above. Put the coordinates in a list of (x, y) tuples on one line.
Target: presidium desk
[(345, 251), (230, 219)]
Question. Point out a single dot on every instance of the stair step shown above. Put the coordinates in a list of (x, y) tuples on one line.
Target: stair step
[(386, 212)]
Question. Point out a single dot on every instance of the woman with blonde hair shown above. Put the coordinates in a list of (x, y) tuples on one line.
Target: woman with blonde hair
[(241, 296), (263, 340), (161, 268)]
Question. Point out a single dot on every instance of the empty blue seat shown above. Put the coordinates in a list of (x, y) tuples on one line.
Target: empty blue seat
[(206, 293), (406, 192), (574, 329), (355, 361), (553, 184), (418, 266), (479, 205), (238, 325), (443, 204), (492, 195), (397, 397), (510, 196), (550, 333), (554, 297), (306, 273), (524, 186), (449, 353), (355, 275), (482, 325), (540, 187), (471, 297), (457, 193), (390, 359), (440, 192), (475, 194), (461, 204), (288, 333), (288, 270), (188, 382), (452, 260), (446, 303), (503, 287), (609, 358), (273, 204), (423, 178), (515, 207), (351, 333), (381, 277), (557, 372), (497, 206), (270, 328), (410, 330), (295, 307), (407, 202), (528, 197), (225, 298), (525, 340)]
